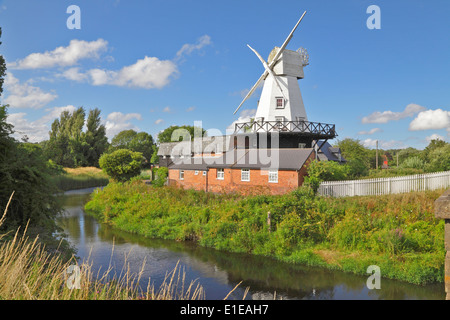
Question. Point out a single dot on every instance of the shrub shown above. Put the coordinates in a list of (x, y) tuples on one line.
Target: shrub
[(161, 176), (413, 163), (122, 164)]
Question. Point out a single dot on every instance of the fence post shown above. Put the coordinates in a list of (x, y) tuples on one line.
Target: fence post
[(442, 211)]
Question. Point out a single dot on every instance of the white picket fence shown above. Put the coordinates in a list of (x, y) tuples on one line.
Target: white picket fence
[(381, 186)]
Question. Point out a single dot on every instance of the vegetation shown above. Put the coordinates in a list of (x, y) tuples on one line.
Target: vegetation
[(139, 142), (361, 162), (180, 133), (122, 164), (29, 272), (397, 232), (69, 146), (25, 171), (80, 178)]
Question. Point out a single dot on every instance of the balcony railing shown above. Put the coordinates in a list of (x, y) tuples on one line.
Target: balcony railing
[(312, 128)]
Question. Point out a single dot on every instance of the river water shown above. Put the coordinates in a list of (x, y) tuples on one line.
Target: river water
[(218, 272)]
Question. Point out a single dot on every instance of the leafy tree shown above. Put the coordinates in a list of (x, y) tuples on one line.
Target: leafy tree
[(407, 153), (24, 170), (155, 158), (433, 145), (66, 146), (122, 164), (357, 156), (69, 146), (2, 68), (95, 138), (122, 140), (180, 133), (439, 159), (129, 139)]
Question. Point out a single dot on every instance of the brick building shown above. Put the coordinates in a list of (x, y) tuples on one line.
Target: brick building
[(247, 171)]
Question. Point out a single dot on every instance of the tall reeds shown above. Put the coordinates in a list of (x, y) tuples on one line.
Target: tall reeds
[(27, 271)]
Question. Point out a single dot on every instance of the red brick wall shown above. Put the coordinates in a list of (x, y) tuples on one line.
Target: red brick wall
[(258, 184)]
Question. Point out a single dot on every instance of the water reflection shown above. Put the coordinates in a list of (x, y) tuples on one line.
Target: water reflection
[(219, 272)]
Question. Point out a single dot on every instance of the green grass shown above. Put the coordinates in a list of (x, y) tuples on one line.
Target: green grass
[(80, 178), (396, 232)]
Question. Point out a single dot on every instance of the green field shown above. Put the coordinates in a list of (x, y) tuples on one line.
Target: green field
[(398, 233)]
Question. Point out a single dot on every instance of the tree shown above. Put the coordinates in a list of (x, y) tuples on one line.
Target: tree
[(433, 145), (66, 145), (180, 133), (357, 156), (122, 140), (2, 68), (407, 153), (439, 159), (69, 146), (139, 142), (95, 138), (121, 165)]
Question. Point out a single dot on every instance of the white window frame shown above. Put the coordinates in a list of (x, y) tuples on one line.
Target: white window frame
[(204, 173), (247, 173), (181, 174), (273, 176), (220, 174), (196, 172)]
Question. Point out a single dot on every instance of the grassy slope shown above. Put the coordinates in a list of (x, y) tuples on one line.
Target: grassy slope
[(397, 232), (80, 178)]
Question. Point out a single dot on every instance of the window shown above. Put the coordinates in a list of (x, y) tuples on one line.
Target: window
[(245, 174), (220, 174), (204, 173), (181, 174), (280, 102), (273, 176), (196, 172)]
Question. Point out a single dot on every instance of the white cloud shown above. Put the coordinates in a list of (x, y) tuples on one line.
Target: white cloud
[(36, 130), (62, 56), (370, 132), (147, 73), (159, 121), (117, 121), (24, 95), (382, 144), (245, 116), (187, 48), (74, 74), (435, 136), (431, 119), (386, 116), (190, 109), (167, 109)]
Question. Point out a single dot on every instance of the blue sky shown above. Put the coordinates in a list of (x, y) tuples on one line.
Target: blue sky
[(151, 64)]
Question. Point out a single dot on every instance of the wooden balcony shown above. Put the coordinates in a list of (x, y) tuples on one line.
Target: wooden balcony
[(316, 129)]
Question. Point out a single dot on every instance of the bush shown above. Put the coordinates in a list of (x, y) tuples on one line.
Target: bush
[(122, 165), (413, 163), (161, 176)]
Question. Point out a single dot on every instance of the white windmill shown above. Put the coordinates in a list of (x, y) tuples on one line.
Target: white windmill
[(281, 100)]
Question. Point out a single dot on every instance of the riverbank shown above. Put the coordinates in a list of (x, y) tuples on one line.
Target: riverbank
[(80, 178), (398, 233)]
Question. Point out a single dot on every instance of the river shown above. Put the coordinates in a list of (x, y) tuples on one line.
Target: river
[(219, 272)]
